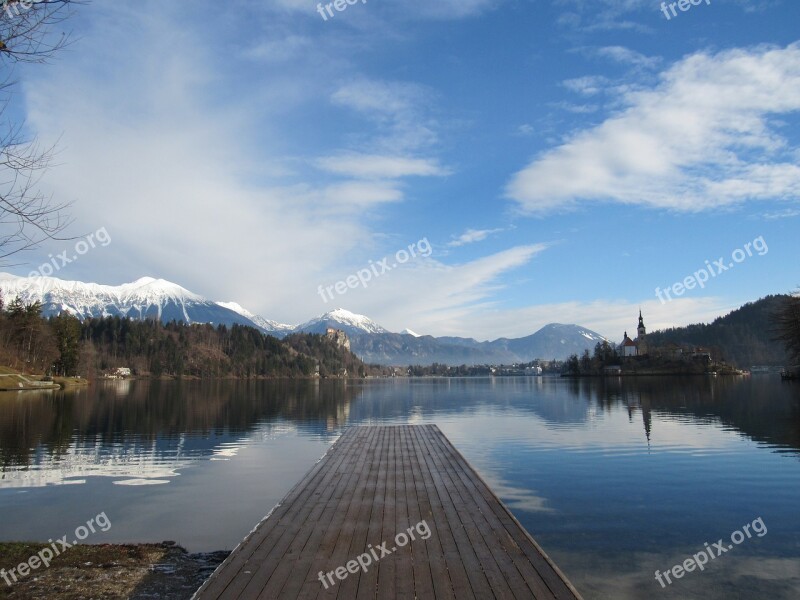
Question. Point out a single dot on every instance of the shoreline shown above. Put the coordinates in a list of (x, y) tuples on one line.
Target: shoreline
[(136, 571)]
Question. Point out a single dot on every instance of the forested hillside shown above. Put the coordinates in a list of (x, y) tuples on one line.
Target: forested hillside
[(744, 337), (63, 345)]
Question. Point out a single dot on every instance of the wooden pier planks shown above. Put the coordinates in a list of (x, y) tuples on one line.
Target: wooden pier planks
[(376, 482)]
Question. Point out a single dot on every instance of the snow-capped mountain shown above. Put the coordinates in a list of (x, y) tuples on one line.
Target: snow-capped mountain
[(156, 298), (280, 329), (552, 341), (144, 298), (350, 323)]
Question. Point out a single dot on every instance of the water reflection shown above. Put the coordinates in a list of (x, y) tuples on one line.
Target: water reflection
[(144, 430), (614, 477)]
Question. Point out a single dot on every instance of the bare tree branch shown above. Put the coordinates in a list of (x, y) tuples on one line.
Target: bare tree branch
[(27, 216)]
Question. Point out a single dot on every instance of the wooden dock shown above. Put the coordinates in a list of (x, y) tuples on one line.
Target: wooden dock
[(376, 483)]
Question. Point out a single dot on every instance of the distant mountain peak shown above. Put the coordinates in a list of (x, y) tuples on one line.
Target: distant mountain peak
[(341, 318), (144, 281), (236, 307), (343, 313), (266, 324), (590, 335), (149, 297), (150, 289), (145, 298)]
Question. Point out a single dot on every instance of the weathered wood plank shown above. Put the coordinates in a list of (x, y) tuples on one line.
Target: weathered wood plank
[(374, 483), (543, 567)]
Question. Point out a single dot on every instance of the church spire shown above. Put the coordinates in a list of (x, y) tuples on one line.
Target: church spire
[(641, 339)]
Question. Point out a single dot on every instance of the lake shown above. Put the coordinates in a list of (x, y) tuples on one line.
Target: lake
[(614, 478)]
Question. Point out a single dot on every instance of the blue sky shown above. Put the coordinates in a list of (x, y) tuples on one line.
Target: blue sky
[(564, 158)]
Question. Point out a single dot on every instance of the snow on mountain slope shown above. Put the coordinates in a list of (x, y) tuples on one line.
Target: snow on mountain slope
[(144, 298), (236, 308), (590, 335), (156, 298), (266, 324), (146, 290), (340, 318)]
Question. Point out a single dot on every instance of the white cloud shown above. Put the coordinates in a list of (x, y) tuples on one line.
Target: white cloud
[(380, 166), (380, 97), (145, 152), (588, 86), (593, 15), (448, 9), (434, 295), (398, 109), (189, 193), (470, 236), (607, 317), (408, 9), (579, 109), (360, 194), (704, 137), (627, 56), (786, 213), (279, 49), (525, 129)]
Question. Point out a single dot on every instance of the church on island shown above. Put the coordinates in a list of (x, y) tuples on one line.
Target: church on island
[(637, 347)]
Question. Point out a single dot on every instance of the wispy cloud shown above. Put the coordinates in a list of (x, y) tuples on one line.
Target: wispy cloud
[(436, 296), (470, 236), (398, 109), (703, 138), (185, 189), (588, 86), (440, 10), (380, 166), (787, 213), (279, 49), (525, 129), (602, 15), (627, 56), (609, 317), (190, 194)]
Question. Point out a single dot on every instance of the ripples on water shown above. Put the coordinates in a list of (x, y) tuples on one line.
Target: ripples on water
[(614, 478)]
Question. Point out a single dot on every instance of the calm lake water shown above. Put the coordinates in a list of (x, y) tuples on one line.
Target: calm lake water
[(615, 479)]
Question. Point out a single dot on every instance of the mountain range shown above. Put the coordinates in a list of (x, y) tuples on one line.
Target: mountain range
[(149, 298)]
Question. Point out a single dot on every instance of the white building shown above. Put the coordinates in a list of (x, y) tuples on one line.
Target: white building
[(637, 347)]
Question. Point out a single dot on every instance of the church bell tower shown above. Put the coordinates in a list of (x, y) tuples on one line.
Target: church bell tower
[(641, 340)]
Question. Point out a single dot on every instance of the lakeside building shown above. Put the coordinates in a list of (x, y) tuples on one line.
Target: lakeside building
[(637, 347)]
